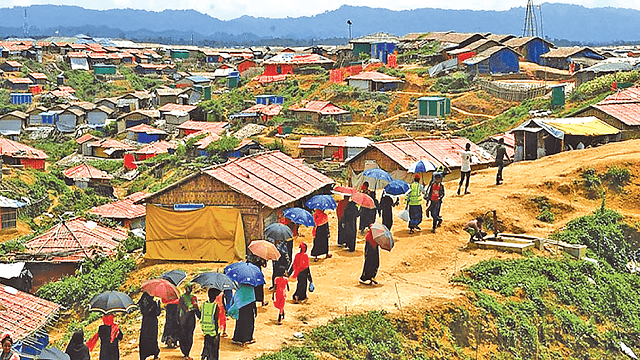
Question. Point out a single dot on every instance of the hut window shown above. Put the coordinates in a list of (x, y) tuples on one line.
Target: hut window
[(9, 219)]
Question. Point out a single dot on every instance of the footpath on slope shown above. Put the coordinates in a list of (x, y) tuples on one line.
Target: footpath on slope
[(420, 265)]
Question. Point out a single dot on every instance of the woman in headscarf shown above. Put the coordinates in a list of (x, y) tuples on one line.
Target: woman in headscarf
[(371, 260), (171, 332), (260, 263), (294, 229), (301, 272), (210, 327), (187, 312), (386, 209), (149, 330), (222, 313), (320, 235), (77, 350), (281, 265), (349, 230), (243, 309), (280, 296), (367, 216), (7, 352), (109, 335)]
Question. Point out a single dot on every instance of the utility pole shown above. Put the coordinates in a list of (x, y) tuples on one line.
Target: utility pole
[(530, 24)]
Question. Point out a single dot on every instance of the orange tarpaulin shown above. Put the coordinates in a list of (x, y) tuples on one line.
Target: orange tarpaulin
[(207, 234)]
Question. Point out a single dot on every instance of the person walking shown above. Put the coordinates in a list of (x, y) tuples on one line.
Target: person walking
[(465, 170), (259, 290), (294, 229), (301, 272), (342, 204), (149, 329), (222, 314), (501, 154), (188, 311), (109, 334), (77, 349), (243, 309), (171, 331), (367, 216), (280, 296), (385, 208), (320, 235), (281, 265), (414, 204), (210, 326), (371, 260), (349, 231), (435, 194), (7, 344)]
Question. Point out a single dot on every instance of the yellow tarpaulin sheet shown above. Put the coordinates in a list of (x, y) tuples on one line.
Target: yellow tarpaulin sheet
[(207, 234), (588, 126)]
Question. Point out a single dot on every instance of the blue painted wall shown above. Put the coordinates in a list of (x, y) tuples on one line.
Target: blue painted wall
[(504, 61), (148, 138), (534, 49), (382, 50)]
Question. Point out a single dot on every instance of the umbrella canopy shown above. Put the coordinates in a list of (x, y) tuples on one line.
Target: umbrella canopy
[(322, 202), (397, 187), (344, 190), (53, 354), (161, 288), (264, 249), (382, 236), (110, 302), (278, 232), (299, 216), (245, 273), (377, 174), (363, 200), (421, 166), (176, 277), (215, 280)]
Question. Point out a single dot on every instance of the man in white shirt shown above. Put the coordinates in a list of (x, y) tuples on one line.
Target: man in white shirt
[(465, 170)]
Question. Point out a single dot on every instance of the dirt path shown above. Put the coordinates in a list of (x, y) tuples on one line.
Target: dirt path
[(420, 265), (472, 114)]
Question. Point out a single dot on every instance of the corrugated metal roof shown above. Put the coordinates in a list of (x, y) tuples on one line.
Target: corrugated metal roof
[(38, 76), (318, 142), (146, 129), (211, 127), (158, 147), (112, 144), (176, 107), (20, 80), (379, 37), (562, 52), (203, 143), (629, 95), (627, 113), (582, 126), (85, 171), (374, 76), (273, 178), (84, 138), (14, 63), (298, 59), (122, 209), (320, 107), (24, 314), (21, 151), (75, 240)]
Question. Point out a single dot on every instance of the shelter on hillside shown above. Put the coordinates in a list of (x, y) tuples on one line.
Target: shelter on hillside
[(540, 137), (258, 113), (136, 117), (379, 45), (491, 144), (374, 81), (12, 124), (562, 57), (68, 119), (9, 212), (191, 127), (154, 149), (315, 111), (531, 47), (291, 63), (18, 84), (144, 133), (495, 60), (607, 66), (84, 175), (98, 116), (396, 156), (84, 142), (109, 148), (128, 214), (15, 153), (254, 186), (26, 317), (338, 148), (620, 110)]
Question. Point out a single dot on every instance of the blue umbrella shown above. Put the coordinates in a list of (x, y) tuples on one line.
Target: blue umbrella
[(245, 273), (322, 202), (377, 174), (421, 166), (396, 187), (278, 232), (215, 280), (299, 216)]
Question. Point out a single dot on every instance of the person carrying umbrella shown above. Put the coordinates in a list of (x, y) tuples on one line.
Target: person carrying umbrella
[(187, 312), (371, 260), (210, 326), (243, 309), (385, 208), (109, 334), (281, 265), (342, 204), (301, 272), (414, 203), (7, 352), (349, 230), (320, 235), (435, 194), (367, 216), (77, 349), (294, 229), (149, 329), (259, 289)]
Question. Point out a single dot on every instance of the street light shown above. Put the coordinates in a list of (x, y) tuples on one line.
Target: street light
[(349, 23)]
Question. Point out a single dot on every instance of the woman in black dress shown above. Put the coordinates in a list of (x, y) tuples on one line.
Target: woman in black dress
[(149, 330), (171, 331), (300, 271), (371, 260), (109, 335), (386, 210), (76, 349)]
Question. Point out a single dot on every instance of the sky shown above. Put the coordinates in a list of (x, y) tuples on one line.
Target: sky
[(231, 9)]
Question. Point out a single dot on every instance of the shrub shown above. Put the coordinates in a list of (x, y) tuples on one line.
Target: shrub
[(546, 216), (453, 82), (132, 243), (618, 176), (290, 353)]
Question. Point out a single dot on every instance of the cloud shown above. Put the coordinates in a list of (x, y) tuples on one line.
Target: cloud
[(230, 9)]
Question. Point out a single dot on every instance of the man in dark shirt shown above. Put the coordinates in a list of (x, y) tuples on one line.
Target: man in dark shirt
[(501, 153)]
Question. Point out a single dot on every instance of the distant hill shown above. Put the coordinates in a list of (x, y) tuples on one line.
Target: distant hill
[(561, 21)]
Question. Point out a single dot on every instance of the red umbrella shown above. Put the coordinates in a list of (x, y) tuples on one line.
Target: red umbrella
[(344, 190), (363, 200), (161, 288), (264, 249), (382, 236)]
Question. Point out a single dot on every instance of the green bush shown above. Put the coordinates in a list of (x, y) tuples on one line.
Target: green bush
[(546, 216), (132, 243), (454, 82), (618, 176), (290, 353), (110, 166)]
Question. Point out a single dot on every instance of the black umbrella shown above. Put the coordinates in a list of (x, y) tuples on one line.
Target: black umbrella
[(176, 277), (52, 354), (278, 232), (215, 280), (110, 302)]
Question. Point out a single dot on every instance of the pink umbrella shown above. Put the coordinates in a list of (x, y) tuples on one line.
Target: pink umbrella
[(161, 288), (264, 249), (344, 190), (382, 236), (363, 200)]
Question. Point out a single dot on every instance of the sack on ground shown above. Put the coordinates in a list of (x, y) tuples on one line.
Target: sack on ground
[(404, 215)]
